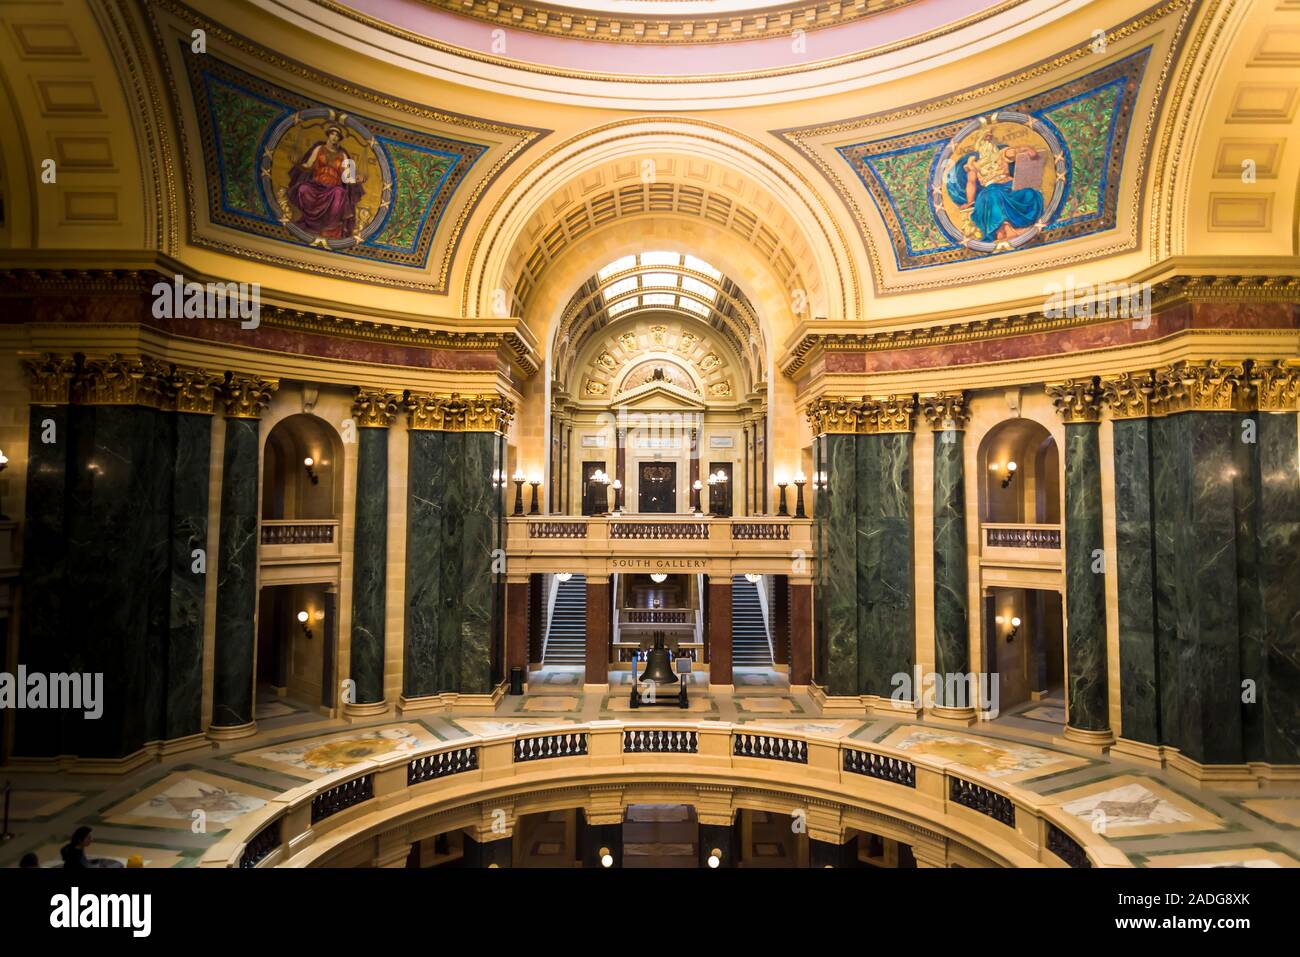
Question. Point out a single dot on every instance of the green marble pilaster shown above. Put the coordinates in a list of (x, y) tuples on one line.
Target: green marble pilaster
[(424, 534), (369, 565), (1139, 673), (1085, 589), (1278, 531), (886, 575), (951, 633), (1196, 580), (1246, 491), (189, 531), (821, 517), (232, 687), (840, 566), (478, 580), (46, 610), (450, 558)]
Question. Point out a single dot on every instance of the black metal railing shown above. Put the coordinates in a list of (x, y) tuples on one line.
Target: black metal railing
[(341, 797), (983, 800), (660, 742), (768, 746), (440, 765), (880, 766), (550, 746), (1066, 847), (263, 843)]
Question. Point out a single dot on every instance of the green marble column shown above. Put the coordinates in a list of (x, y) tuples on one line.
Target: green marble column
[(947, 417), (236, 560), (1134, 542), (840, 607), (1078, 401), (46, 609), (886, 575), (189, 531), (454, 527), (373, 412), (1278, 530)]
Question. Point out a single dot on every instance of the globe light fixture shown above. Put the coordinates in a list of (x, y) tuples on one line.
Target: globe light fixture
[(308, 463), (658, 578)]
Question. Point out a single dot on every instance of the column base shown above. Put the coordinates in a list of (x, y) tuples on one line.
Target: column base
[(954, 717), (1139, 751), (1093, 739), (368, 710), (595, 688), (232, 733)]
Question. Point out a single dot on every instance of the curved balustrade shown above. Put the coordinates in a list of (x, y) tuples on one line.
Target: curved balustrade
[(996, 820)]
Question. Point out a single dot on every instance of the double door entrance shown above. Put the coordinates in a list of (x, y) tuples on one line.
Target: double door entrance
[(657, 487)]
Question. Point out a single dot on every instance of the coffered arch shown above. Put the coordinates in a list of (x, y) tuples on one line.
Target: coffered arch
[(661, 169)]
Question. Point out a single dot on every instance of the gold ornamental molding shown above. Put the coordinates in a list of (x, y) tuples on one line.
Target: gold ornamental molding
[(777, 20), (247, 396), (375, 409), (945, 410), (454, 412), (1204, 386), (1076, 400), (121, 379), (866, 416), (1170, 292), (49, 378)]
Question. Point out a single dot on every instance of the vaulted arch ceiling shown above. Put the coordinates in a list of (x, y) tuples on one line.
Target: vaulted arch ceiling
[(666, 284)]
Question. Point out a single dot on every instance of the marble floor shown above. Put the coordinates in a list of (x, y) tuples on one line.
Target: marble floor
[(170, 812)]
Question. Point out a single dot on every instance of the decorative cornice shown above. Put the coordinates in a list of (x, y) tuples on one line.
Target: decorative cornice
[(1173, 291), (1275, 385), (945, 410), (1076, 400), (195, 390), (1207, 386), (778, 20), (374, 409), (458, 413), (246, 396), (866, 416), (49, 378), (121, 380)]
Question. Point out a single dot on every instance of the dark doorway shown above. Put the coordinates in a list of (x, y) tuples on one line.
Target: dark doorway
[(657, 487), (592, 494), (720, 492)]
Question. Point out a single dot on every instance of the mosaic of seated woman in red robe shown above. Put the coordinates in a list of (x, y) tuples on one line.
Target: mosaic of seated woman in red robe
[(326, 203)]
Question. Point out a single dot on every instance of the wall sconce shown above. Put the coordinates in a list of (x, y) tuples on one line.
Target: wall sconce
[(781, 484), (715, 858), (799, 480), (1015, 625), (606, 858), (4, 464), (1011, 473), (309, 464), (534, 480), (302, 620)]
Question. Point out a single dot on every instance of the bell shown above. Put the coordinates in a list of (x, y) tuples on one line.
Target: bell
[(659, 664)]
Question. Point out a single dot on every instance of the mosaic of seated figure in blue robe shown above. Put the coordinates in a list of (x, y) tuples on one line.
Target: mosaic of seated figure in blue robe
[(981, 181)]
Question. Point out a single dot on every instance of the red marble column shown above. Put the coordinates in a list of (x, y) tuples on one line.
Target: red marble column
[(517, 626), (598, 631), (719, 632), (801, 634), (781, 620)]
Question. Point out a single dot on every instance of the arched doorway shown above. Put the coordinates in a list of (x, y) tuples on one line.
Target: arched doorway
[(1020, 501)]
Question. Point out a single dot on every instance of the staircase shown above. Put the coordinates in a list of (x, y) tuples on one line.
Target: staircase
[(749, 646), (566, 642)]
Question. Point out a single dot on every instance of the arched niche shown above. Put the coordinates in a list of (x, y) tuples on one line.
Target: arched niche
[(1029, 493), (288, 489)]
